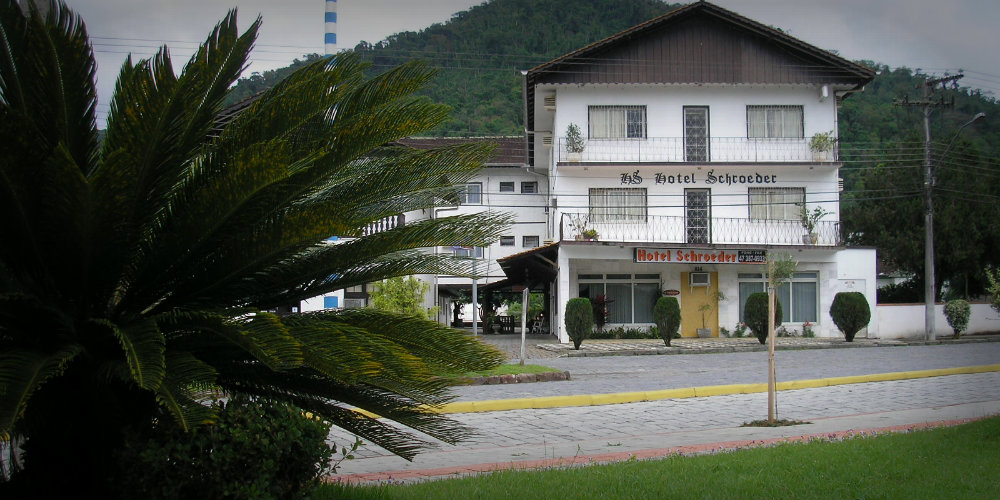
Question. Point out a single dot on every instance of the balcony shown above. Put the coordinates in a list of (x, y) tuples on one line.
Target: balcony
[(679, 150), (714, 231)]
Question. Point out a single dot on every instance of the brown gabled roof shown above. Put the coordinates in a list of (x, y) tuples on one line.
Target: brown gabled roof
[(509, 152), (697, 43), (706, 8)]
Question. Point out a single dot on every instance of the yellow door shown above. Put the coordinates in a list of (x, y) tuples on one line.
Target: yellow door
[(692, 300)]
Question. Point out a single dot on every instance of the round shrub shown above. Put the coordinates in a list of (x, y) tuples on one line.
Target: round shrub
[(755, 315), (957, 313), (850, 312), (253, 450), (667, 315), (579, 320)]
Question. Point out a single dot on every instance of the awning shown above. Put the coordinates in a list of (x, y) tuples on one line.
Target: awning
[(529, 268)]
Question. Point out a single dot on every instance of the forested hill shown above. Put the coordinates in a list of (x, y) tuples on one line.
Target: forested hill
[(481, 52)]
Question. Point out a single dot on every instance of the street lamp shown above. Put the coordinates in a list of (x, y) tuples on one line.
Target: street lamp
[(929, 303)]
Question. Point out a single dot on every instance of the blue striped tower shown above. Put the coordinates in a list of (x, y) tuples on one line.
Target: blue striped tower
[(330, 40)]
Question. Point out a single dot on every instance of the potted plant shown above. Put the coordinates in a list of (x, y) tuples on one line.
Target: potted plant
[(590, 234), (705, 331), (821, 145), (574, 143), (809, 220)]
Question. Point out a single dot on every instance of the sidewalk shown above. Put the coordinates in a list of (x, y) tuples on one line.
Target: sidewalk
[(559, 436)]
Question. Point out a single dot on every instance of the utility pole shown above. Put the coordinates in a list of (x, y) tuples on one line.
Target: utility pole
[(929, 104)]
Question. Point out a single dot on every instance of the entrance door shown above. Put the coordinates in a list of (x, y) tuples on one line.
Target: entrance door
[(692, 300), (696, 133), (698, 215)]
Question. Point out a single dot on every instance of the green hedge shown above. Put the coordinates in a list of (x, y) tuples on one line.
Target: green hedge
[(579, 320), (667, 315), (253, 450), (755, 315), (850, 312)]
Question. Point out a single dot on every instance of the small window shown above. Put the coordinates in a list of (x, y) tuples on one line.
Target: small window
[(618, 204), (506, 241), (507, 187), (529, 187), (617, 122), (471, 194), (591, 276), (529, 241), (476, 252), (774, 122), (776, 203)]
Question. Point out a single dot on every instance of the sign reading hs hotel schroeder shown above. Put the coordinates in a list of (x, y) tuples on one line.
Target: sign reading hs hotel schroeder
[(696, 256)]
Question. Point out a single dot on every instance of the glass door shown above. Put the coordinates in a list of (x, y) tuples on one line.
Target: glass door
[(697, 215), (696, 133)]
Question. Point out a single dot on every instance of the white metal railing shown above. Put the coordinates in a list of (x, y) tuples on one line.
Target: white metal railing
[(677, 149), (723, 231)]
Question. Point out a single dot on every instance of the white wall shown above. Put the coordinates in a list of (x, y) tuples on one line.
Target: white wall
[(907, 320)]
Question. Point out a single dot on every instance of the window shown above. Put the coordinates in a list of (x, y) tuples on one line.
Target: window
[(799, 298), (506, 241), (617, 122), (774, 122), (471, 194), (773, 203), (507, 187), (529, 187), (529, 241), (630, 297), (468, 251), (696, 136), (618, 204)]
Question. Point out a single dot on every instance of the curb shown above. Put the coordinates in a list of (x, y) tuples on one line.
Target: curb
[(648, 454), (695, 392)]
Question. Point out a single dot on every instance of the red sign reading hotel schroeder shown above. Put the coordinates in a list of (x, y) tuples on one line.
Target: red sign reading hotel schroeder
[(696, 256)]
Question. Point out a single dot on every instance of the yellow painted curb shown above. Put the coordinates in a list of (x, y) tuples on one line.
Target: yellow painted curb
[(689, 392), (692, 392)]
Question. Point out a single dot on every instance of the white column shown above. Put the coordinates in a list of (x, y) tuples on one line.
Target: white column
[(562, 295)]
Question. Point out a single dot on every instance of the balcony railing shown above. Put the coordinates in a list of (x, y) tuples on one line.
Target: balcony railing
[(677, 149), (721, 231)]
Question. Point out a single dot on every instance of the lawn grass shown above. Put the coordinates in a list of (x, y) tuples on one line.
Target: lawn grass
[(961, 462), (504, 369)]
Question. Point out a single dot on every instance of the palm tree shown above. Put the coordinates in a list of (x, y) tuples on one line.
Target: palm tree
[(136, 273)]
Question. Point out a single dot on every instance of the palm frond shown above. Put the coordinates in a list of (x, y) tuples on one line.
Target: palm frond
[(187, 377), (22, 372), (144, 348)]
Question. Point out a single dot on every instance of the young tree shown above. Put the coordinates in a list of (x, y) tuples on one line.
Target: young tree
[(403, 296), (135, 274)]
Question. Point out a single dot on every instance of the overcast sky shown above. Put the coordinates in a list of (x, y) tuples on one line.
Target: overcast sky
[(937, 36)]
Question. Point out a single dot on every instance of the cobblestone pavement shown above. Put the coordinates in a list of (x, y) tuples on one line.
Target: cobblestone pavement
[(511, 436)]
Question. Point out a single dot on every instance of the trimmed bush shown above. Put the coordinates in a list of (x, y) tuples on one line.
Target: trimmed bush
[(253, 450), (667, 315), (755, 315), (579, 320), (850, 312), (957, 313)]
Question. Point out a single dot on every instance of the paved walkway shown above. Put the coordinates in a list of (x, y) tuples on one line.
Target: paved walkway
[(582, 434)]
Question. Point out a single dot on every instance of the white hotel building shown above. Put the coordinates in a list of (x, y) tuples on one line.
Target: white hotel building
[(696, 163)]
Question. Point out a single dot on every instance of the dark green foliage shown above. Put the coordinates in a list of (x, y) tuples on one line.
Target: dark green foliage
[(908, 292), (667, 315), (755, 315), (579, 320), (622, 332), (136, 274), (957, 313), (850, 312), (253, 450)]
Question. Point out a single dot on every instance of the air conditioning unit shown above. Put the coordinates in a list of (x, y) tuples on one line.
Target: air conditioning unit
[(700, 279), (549, 101), (547, 140)]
